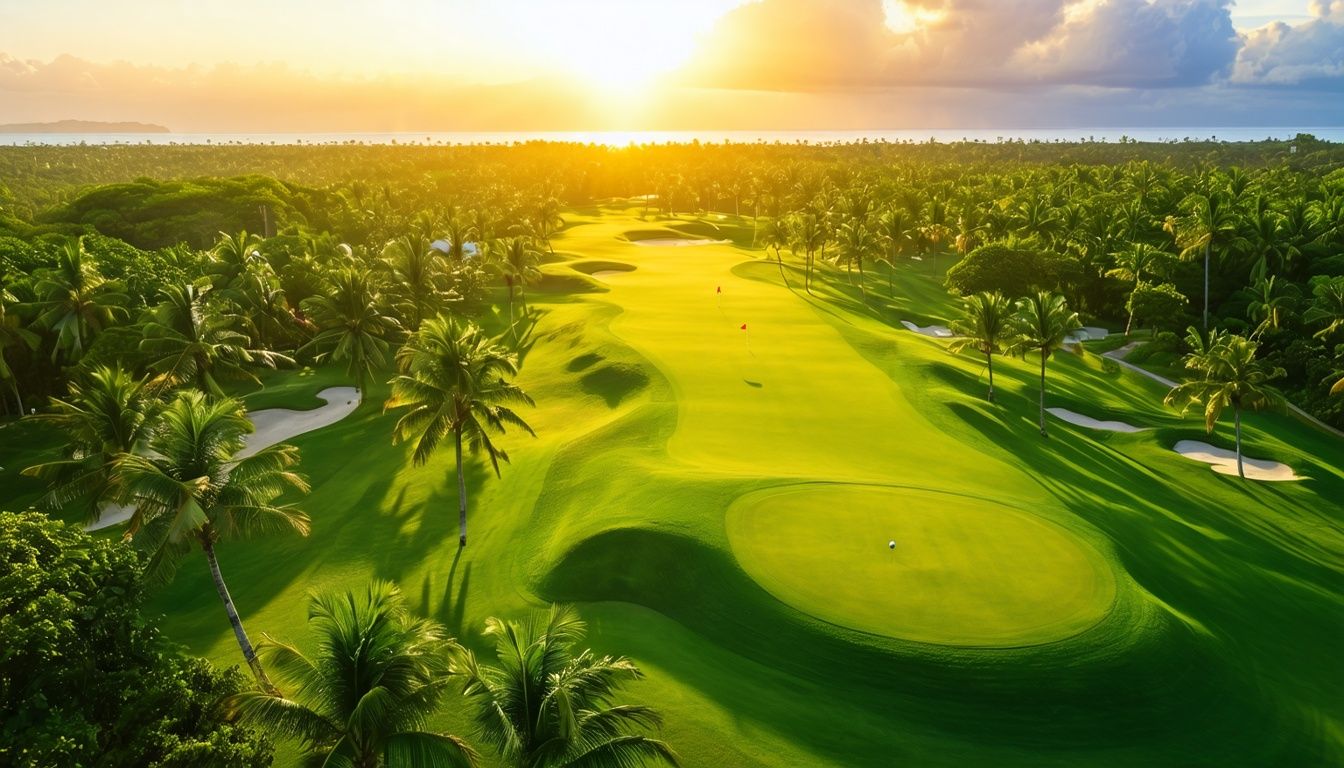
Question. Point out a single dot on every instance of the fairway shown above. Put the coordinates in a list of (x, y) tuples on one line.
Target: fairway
[(965, 571)]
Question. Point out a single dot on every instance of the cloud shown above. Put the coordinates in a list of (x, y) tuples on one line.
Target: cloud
[(818, 44), (1136, 44), (1309, 53)]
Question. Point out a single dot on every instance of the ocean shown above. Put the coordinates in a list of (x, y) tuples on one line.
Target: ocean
[(625, 138)]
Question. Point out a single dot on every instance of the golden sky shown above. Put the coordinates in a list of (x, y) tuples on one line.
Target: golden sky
[(337, 65)]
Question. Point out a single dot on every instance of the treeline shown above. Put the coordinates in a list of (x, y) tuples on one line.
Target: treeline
[(1136, 236)]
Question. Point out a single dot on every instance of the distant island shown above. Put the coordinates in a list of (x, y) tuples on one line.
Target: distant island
[(82, 126)]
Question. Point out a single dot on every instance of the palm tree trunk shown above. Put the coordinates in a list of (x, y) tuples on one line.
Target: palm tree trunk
[(1043, 356), (1236, 420), (461, 495), (1206, 288), (249, 653), (779, 259), (863, 290), (1129, 325), (14, 385), (989, 361), (891, 276)]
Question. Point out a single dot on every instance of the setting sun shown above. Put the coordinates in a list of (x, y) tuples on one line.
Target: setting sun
[(621, 47)]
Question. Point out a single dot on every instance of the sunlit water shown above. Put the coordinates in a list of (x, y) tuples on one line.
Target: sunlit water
[(625, 138)]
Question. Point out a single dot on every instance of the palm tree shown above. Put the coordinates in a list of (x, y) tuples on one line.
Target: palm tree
[(544, 706), (857, 242), (1210, 223), (808, 236), (1327, 305), (233, 256), (1228, 375), (547, 221), (191, 487), (518, 262), (1131, 263), (1041, 324), (192, 343), (986, 327), (105, 417), (12, 336), (776, 236), (896, 231), (417, 272), (366, 695), (352, 325), (75, 301), (452, 378), (1273, 303)]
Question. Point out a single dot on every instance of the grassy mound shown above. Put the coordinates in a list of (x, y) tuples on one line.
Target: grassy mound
[(964, 571)]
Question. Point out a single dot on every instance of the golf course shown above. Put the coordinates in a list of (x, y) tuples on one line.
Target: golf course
[(819, 541)]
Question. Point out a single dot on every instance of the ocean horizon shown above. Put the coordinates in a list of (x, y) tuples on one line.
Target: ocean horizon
[(626, 138)]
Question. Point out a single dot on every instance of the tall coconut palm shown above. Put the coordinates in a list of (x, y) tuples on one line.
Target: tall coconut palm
[(1132, 263), (896, 230), (1041, 325), (452, 379), (193, 488), (352, 325), (233, 256), (417, 272), (75, 301), (808, 236), (547, 705), (986, 328), (1327, 305), (106, 416), (857, 243), (546, 220), (1209, 225), (12, 336), (1227, 374), (518, 261), (365, 695), (775, 236), (191, 343)]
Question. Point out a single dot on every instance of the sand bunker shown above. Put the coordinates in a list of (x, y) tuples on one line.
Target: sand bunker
[(936, 331), (678, 242), (273, 425), (605, 273), (1224, 462), (1091, 423)]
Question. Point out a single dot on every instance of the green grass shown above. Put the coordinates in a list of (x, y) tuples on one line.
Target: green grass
[(965, 570), (659, 421)]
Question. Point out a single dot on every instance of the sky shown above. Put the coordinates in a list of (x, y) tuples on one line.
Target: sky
[(474, 65)]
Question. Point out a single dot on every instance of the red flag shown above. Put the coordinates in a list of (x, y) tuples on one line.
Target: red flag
[(744, 326), (719, 289)]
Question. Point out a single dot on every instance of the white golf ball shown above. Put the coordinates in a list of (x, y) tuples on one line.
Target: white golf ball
[(891, 544)]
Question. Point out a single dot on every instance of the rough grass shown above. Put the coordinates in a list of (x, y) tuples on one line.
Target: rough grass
[(656, 413)]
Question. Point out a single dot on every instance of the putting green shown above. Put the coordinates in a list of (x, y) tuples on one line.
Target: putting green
[(965, 571)]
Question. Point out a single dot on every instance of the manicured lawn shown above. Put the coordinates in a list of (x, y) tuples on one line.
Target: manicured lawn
[(1087, 599)]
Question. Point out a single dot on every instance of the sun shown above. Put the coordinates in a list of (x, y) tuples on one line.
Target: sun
[(616, 47)]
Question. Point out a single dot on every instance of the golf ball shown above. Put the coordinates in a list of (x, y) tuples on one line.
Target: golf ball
[(891, 544)]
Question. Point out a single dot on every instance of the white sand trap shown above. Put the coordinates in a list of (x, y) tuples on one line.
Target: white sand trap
[(273, 425), (936, 331), (1086, 333), (605, 273), (1080, 420), (1225, 462), (678, 242)]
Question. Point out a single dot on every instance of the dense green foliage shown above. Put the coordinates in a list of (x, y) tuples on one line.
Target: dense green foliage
[(660, 413), (85, 678)]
